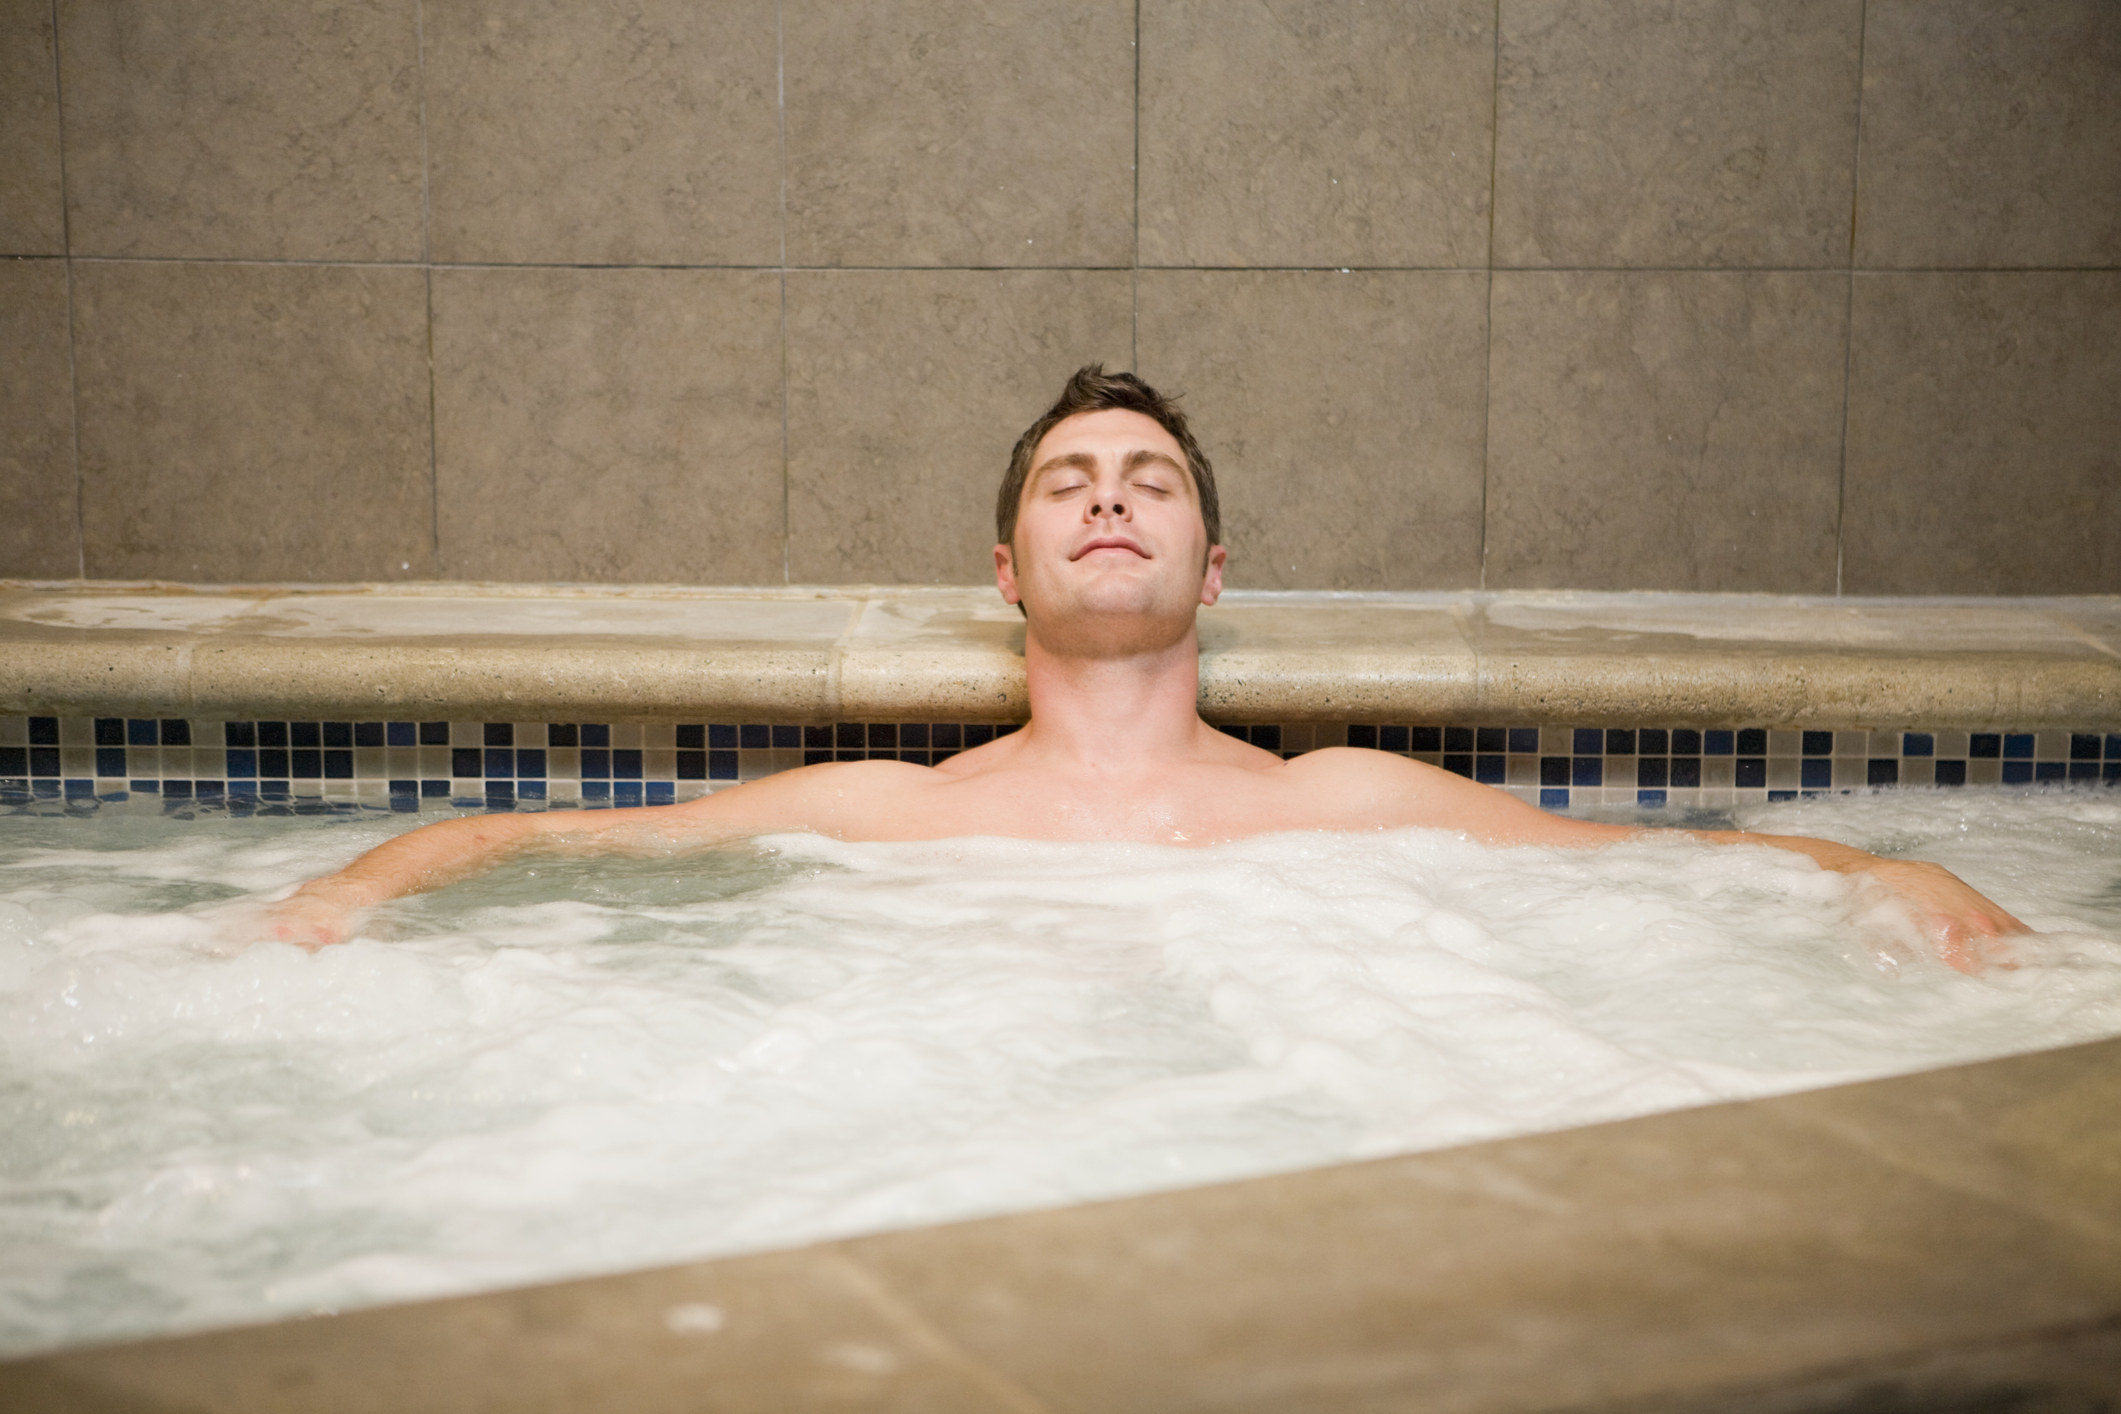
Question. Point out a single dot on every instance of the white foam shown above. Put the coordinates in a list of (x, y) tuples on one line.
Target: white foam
[(588, 1066)]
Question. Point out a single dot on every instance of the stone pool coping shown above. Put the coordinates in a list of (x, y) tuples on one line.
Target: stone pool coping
[(565, 653), (1947, 1240)]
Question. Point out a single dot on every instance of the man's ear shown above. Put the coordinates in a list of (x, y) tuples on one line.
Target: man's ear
[(1005, 575), (1211, 584)]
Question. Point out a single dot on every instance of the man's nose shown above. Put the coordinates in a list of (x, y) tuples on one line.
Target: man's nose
[(1107, 503)]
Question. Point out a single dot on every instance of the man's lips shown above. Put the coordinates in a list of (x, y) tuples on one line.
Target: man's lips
[(1108, 542)]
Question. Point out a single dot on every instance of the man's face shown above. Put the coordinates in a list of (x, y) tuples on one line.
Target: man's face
[(1109, 539)]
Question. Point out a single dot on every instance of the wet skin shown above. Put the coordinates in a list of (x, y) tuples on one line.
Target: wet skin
[(1111, 564)]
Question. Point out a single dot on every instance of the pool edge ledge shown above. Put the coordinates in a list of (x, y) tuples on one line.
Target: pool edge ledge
[(1922, 1232)]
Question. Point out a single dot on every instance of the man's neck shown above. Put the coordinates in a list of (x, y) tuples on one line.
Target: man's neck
[(1109, 711)]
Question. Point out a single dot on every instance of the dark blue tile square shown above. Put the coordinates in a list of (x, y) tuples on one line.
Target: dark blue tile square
[(1649, 797), (1396, 738), (977, 735), (247, 790), (756, 736), (1619, 742), (466, 762), (306, 733), (596, 790), (2083, 746), (846, 734), (434, 733), (110, 731), (1686, 772), (692, 765), (691, 736), (176, 732), (1267, 738), (1818, 773), (44, 761), (434, 790), (1653, 771), (338, 764), (1752, 741), (1458, 763), (1553, 770), (44, 731), (14, 761), (44, 790), (1718, 743), (2018, 746), (1419, 739), (1361, 735), (1587, 771), (596, 762), (595, 734), (209, 790), (563, 734), (1459, 739), (175, 790), (404, 787), (141, 731), (721, 765), (405, 804), (2083, 770), (2051, 771), (1982, 745), (272, 761), (883, 734), (1686, 741), (1951, 773), (1587, 741), (909, 734), (1524, 741), (272, 734), (1228, 729), (2113, 746), (500, 795), (1778, 796), (499, 733), (1489, 739), (817, 738), (1917, 744), (110, 761), (401, 734), (80, 790), (232, 734), (1882, 771), (661, 793), (626, 793), (367, 733), (530, 763), (787, 738), (530, 790), (2017, 773), (1554, 798), (273, 790), (1819, 743), (815, 757), (500, 761), (1490, 770), (1750, 772), (2111, 772), (626, 764)]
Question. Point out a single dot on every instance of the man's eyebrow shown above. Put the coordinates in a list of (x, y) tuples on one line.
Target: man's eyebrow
[(1078, 461), (1142, 456)]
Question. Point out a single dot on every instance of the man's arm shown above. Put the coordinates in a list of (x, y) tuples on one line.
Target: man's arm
[(326, 910), (1960, 922)]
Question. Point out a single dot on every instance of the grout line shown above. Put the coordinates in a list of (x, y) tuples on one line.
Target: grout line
[(780, 111), (427, 270), (73, 362), (1848, 311), (1134, 273), (1487, 381), (419, 29)]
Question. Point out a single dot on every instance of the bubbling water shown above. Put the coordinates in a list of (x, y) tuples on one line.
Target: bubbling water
[(570, 1067)]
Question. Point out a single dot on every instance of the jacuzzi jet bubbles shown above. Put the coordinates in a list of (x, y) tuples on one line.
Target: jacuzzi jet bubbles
[(602, 1064)]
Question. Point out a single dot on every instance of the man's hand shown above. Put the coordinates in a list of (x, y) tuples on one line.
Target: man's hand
[(310, 918), (1966, 928)]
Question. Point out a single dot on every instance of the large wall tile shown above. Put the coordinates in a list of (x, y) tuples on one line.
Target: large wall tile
[(1696, 132), (40, 534), (243, 129), (254, 422), (960, 132), (604, 133), (32, 219), (1343, 415), (1316, 135), (906, 391), (1984, 436), (1991, 134), (609, 425), (1665, 430)]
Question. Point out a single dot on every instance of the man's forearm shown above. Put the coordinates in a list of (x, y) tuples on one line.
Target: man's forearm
[(425, 859)]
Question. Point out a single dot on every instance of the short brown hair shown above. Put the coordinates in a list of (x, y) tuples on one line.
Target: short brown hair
[(1091, 389)]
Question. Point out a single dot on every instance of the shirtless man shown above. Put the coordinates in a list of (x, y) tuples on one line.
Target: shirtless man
[(1108, 528)]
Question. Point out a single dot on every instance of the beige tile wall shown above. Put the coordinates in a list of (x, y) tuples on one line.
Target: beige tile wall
[(1639, 294)]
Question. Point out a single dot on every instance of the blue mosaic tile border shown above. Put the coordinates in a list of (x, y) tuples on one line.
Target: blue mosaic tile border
[(186, 764)]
